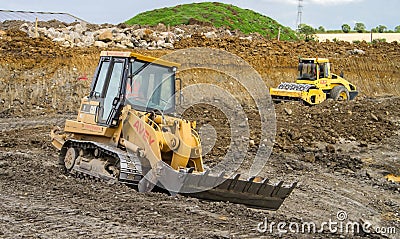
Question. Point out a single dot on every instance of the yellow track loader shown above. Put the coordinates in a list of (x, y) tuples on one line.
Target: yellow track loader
[(126, 131), (315, 84)]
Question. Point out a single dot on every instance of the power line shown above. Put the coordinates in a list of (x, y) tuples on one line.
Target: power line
[(299, 14)]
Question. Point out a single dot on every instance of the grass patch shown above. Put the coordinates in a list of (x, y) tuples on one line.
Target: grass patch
[(215, 14)]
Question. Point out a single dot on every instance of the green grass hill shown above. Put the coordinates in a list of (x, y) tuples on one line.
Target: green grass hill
[(217, 15)]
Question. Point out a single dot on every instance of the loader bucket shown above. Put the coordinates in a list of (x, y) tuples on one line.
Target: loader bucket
[(254, 194), (218, 188)]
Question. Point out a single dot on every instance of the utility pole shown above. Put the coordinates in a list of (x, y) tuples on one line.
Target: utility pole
[(299, 13)]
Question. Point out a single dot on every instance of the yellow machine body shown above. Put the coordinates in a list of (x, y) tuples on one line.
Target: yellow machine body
[(126, 130), (315, 84)]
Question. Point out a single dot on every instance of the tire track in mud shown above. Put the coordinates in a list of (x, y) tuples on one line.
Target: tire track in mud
[(9, 124), (37, 200), (27, 217)]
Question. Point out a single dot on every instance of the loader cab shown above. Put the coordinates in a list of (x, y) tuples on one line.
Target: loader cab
[(123, 78), (150, 86)]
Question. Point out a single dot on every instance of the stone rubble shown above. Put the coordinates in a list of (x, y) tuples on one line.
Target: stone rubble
[(122, 36)]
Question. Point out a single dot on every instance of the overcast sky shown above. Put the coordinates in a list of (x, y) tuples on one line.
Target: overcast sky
[(328, 13)]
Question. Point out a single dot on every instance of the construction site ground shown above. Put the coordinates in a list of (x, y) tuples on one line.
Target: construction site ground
[(338, 152)]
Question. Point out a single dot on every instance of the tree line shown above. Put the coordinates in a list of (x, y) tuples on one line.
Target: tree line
[(359, 27)]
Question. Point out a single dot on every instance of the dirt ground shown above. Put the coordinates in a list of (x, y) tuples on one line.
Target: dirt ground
[(338, 152)]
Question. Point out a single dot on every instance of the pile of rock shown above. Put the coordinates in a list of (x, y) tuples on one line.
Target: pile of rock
[(121, 36)]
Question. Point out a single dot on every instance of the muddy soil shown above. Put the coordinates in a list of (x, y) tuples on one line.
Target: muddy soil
[(38, 200), (338, 152)]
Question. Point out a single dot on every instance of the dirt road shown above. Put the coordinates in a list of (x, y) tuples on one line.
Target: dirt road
[(38, 200)]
